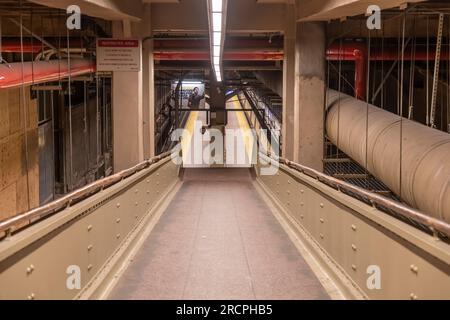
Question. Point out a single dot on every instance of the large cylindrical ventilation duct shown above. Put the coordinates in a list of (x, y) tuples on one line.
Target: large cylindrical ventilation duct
[(388, 145)]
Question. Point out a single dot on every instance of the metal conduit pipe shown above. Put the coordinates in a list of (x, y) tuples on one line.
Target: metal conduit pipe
[(422, 157)]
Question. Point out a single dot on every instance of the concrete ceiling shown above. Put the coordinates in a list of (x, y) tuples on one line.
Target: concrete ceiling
[(105, 9), (161, 1), (326, 10), (244, 15)]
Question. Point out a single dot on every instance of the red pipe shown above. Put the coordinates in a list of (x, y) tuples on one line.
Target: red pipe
[(358, 52), (12, 45), (196, 50), (229, 56), (230, 43), (247, 49), (388, 54), (35, 46), (13, 75)]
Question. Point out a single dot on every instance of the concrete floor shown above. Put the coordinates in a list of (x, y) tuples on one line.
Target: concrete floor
[(218, 240)]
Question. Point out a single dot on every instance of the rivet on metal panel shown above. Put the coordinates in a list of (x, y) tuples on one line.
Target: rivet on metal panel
[(302, 191), (288, 203), (322, 220), (136, 216), (302, 204), (90, 247), (89, 267), (354, 267), (435, 234), (354, 248), (118, 220), (413, 296), (353, 227), (289, 181), (302, 216), (322, 205), (136, 204), (148, 180), (89, 228), (118, 205), (136, 191), (117, 236), (148, 191), (31, 297), (288, 192), (8, 232), (157, 174), (148, 203), (30, 269), (414, 268), (321, 236)]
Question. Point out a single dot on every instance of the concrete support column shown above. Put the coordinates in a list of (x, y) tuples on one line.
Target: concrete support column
[(133, 100), (127, 111), (148, 89), (289, 87), (310, 94)]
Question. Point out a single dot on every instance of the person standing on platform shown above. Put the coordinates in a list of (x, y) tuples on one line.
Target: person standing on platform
[(195, 99)]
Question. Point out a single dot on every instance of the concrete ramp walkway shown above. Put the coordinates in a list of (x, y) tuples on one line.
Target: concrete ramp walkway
[(218, 240)]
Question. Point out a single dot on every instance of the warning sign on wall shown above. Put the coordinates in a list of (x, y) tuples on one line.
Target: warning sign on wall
[(118, 55)]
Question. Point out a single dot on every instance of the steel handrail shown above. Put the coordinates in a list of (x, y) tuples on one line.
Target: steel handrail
[(434, 225), (66, 201)]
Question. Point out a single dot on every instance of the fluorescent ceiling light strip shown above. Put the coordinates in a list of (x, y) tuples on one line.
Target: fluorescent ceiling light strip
[(216, 51), (217, 35), (217, 5), (217, 38), (217, 21)]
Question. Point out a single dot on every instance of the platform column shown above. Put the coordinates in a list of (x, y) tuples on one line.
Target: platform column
[(289, 87), (148, 89), (127, 111), (310, 94)]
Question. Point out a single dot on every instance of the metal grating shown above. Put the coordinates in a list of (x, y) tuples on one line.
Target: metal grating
[(339, 165)]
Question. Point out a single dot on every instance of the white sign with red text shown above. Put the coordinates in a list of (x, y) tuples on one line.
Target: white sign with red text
[(119, 55)]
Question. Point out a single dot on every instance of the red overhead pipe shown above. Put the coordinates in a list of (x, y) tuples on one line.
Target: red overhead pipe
[(358, 52), (29, 45), (13, 45), (204, 55), (17, 74), (230, 43), (247, 49)]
